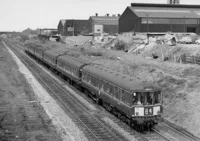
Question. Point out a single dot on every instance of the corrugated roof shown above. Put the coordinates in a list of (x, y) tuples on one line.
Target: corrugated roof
[(164, 5), (166, 12), (111, 20)]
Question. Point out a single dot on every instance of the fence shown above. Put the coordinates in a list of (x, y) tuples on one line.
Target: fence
[(190, 59)]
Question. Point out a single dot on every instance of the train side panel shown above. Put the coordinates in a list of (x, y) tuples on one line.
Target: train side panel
[(39, 53), (70, 67), (50, 58), (108, 93)]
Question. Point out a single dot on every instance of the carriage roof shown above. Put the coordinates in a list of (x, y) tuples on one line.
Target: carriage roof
[(72, 60), (122, 80)]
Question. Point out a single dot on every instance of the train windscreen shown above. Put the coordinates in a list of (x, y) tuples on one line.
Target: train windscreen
[(146, 98)]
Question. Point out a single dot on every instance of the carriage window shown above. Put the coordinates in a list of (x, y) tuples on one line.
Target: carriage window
[(94, 81), (83, 76), (122, 93), (100, 84), (89, 79), (127, 97), (137, 98), (97, 82), (111, 89), (117, 94), (123, 98), (106, 87), (148, 98), (157, 97)]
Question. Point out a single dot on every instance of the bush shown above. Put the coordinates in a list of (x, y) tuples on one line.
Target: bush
[(24, 37), (120, 45), (94, 53)]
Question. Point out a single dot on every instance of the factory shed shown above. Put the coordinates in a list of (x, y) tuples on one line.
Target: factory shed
[(104, 24), (61, 27), (75, 27), (160, 18)]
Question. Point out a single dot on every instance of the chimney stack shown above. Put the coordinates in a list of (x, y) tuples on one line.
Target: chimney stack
[(96, 14), (118, 15), (107, 15)]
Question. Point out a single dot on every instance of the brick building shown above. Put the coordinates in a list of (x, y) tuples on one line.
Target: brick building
[(160, 18)]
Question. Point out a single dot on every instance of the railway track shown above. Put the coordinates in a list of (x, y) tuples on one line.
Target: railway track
[(92, 124), (93, 128), (179, 133)]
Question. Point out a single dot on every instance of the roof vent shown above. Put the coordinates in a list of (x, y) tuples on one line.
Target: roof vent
[(96, 14), (107, 15)]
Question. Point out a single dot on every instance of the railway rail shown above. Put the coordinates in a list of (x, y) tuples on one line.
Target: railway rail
[(94, 127)]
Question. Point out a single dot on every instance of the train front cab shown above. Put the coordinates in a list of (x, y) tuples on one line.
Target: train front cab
[(147, 108)]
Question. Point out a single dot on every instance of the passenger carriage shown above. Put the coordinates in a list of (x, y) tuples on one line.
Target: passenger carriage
[(70, 67), (50, 58), (39, 53), (130, 99), (30, 50)]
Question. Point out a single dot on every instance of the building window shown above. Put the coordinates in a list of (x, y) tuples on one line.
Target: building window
[(168, 21), (190, 21), (155, 21), (177, 21)]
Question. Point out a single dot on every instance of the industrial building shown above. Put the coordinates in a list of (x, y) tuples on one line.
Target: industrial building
[(76, 27), (140, 17), (73, 27), (61, 25), (104, 24)]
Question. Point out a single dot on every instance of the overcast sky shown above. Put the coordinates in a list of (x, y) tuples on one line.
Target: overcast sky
[(17, 15)]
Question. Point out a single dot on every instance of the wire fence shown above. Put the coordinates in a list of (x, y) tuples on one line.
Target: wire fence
[(186, 59)]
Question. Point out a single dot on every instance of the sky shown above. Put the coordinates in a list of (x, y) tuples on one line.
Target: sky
[(17, 15)]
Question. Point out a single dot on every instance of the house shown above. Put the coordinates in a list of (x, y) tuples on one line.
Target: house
[(141, 17)]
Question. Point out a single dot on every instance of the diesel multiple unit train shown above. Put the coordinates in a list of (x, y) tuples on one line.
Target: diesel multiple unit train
[(137, 103)]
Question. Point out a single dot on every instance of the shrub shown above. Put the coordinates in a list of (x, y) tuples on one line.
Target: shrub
[(120, 45)]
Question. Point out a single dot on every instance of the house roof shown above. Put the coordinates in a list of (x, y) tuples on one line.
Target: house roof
[(110, 20), (166, 10)]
